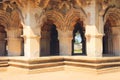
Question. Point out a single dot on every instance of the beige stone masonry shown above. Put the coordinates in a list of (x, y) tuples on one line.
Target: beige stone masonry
[(65, 41)]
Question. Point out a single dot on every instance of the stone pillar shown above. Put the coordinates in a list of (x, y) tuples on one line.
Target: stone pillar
[(93, 33), (65, 42), (45, 43), (2, 44), (14, 42), (116, 45), (116, 40), (94, 43), (31, 43), (14, 46)]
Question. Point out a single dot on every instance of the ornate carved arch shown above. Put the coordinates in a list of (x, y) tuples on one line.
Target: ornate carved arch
[(4, 19), (113, 15), (66, 22), (55, 17), (73, 16), (15, 19)]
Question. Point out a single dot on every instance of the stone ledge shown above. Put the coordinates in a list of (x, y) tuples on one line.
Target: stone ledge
[(34, 64), (4, 62)]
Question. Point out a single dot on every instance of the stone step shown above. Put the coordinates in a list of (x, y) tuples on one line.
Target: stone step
[(108, 70), (3, 62), (4, 65), (3, 58), (93, 65), (35, 66)]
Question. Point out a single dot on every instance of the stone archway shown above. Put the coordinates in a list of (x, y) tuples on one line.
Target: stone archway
[(112, 34), (4, 25), (54, 42), (107, 39), (13, 29), (49, 40), (79, 40), (65, 24)]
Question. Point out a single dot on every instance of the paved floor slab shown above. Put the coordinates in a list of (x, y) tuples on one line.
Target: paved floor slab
[(60, 75)]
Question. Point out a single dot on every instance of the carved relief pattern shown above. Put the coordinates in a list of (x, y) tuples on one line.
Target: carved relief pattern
[(63, 6), (4, 19), (68, 21), (112, 14)]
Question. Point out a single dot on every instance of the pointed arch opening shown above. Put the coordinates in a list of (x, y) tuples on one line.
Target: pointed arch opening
[(79, 40), (54, 42), (107, 39), (3, 41), (49, 40), (111, 39)]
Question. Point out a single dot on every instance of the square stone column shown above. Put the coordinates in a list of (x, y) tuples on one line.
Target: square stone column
[(14, 46), (65, 42), (31, 46), (2, 44), (14, 42), (94, 42), (31, 43), (116, 40), (94, 45)]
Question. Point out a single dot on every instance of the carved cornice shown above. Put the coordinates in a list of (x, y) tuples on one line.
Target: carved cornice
[(63, 6), (105, 4), (30, 3)]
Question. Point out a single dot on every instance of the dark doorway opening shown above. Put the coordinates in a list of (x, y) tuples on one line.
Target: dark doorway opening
[(54, 42), (3, 42), (49, 40), (79, 40), (107, 39)]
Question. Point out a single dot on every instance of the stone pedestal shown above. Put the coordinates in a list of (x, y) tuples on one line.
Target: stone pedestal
[(31, 46), (94, 45), (65, 42), (14, 46)]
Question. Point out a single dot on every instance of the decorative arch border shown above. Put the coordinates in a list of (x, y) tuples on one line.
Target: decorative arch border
[(55, 17), (66, 22), (4, 19), (75, 15), (15, 21), (113, 14)]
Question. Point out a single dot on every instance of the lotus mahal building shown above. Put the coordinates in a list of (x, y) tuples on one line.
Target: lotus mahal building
[(39, 34)]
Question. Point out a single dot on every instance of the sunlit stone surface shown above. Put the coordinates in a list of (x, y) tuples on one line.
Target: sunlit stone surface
[(31, 31)]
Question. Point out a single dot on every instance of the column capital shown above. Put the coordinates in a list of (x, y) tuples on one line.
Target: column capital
[(94, 45), (94, 35), (31, 36), (13, 38)]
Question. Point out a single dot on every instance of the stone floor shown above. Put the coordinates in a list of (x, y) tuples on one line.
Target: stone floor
[(59, 75)]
